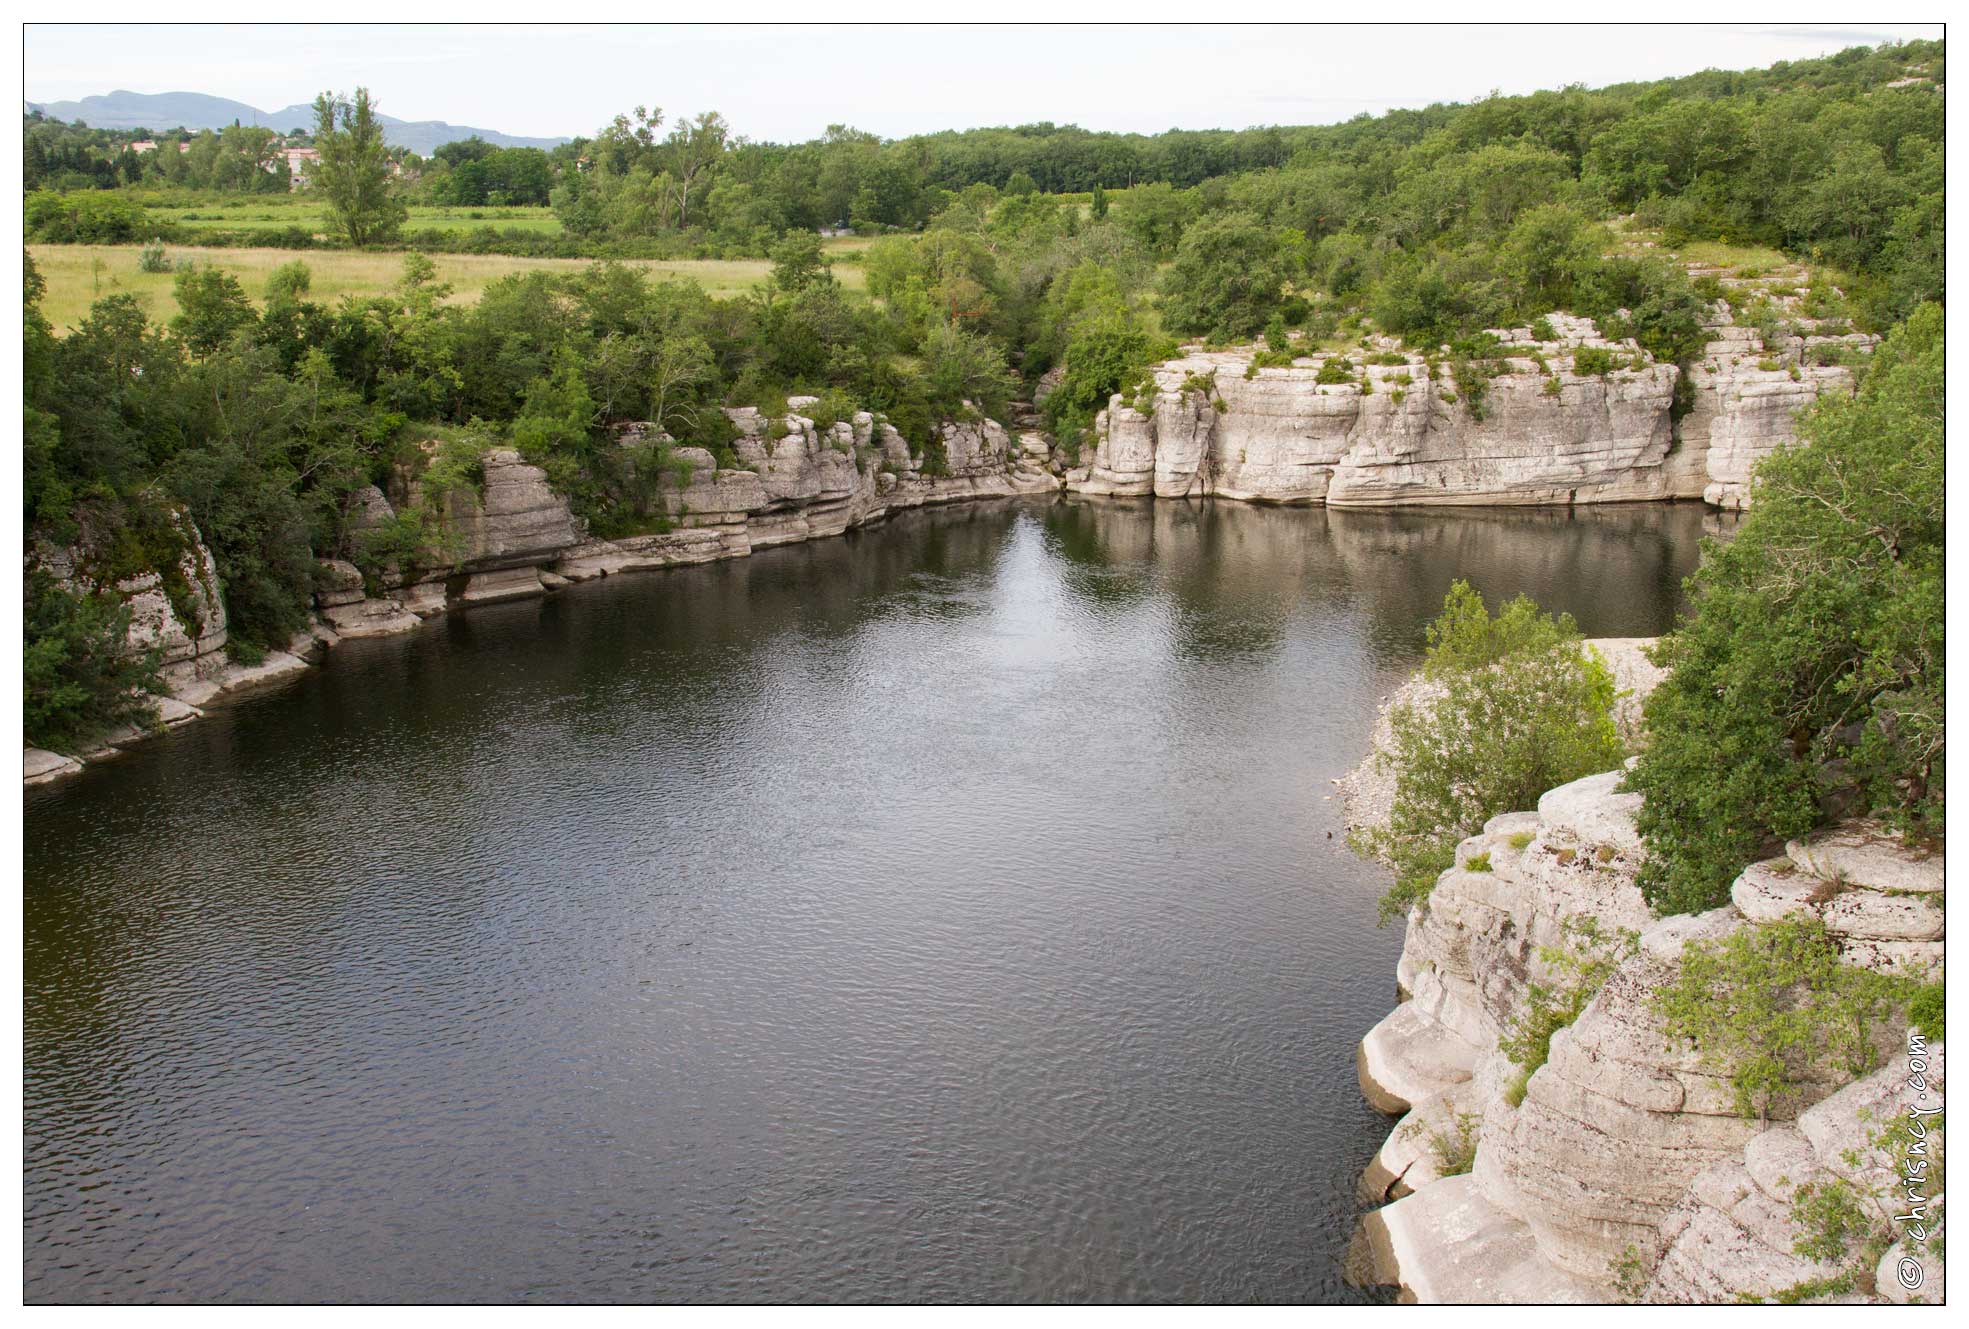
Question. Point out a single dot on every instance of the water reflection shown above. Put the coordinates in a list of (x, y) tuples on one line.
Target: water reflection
[(948, 911)]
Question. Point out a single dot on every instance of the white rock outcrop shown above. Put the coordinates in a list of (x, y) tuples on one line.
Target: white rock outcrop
[(1746, 396), (1737, 1231), (1622, 1164), (1403, 433)]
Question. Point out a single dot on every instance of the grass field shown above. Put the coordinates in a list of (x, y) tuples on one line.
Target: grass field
[(1636, 240), (278, 213), (79, 275)]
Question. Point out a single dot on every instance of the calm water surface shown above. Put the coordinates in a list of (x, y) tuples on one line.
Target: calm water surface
[(953, 911)]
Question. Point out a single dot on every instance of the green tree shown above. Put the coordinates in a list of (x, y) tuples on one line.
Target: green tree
[(1808, 678), (1544, 255), (354, 172), (1155, 214), (965, 366), (1522, 709), (1229, 277), (48, 494), (212, 306), (800, 262), (78, 677)]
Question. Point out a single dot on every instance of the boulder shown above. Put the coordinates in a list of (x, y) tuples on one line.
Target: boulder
[(371, 618), (508, 584), (1447, 1244), (1863, 853)]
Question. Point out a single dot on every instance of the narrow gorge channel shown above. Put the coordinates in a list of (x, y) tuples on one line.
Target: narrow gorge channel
[(956, 910)]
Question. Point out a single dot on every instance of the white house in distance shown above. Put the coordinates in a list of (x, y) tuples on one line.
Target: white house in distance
[(300, 162)]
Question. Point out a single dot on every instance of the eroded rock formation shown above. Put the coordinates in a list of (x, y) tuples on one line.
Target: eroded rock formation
[(1390, 428), (176, 610), (1622, 1166)]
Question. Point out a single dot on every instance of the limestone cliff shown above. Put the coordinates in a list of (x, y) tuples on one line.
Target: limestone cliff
[(1388, 427), (510, 535), (1621, 1167), (795, 481)]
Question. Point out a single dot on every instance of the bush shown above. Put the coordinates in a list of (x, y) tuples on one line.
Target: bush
[(1770, 1004), (212, 306), (457, 465), (1926, 1010), (1807, 681), (78, 679), (152, 258), (1591, 360), (1229, 278), (1472, 378), (1336, 370), (290, 281), (1523, 710), (1455, 1149), (966, 366), (87, 217), (1465, 636)]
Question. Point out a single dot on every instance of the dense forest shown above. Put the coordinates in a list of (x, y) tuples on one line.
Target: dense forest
[(260, 412)]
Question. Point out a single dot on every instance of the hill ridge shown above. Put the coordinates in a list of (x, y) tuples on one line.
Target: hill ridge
[(124, 109)]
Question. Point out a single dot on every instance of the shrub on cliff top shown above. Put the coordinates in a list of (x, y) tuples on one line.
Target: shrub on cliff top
[(1807, 682), (1523, 710), (1590, 360), (1771, 1003)]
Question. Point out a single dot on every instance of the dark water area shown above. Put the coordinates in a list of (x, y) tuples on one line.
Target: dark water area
[(952, 911)]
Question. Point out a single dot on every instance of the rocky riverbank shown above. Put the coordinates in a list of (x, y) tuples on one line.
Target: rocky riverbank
[(510, 536), (1621, 1168)]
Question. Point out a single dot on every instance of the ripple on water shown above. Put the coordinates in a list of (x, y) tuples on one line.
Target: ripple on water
[(942, 913)]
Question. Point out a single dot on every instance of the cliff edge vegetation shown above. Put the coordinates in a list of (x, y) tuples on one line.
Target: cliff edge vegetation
[(1807, 680)]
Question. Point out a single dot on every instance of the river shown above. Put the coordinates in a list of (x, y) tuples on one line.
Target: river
[(954, 911)]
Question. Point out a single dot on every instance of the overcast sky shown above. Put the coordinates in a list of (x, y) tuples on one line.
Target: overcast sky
[(791, 83)]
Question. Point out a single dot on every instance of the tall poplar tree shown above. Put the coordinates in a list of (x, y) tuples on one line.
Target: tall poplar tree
[(354, 170)]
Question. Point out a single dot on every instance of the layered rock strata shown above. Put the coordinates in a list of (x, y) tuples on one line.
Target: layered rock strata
[(1381, 427), (795, 481), (1747, 399), (1621, 1167)]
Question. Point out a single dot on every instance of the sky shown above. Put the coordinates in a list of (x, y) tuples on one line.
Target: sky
[(790, 83)]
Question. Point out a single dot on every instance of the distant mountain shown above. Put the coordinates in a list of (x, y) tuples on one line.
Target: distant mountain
[(196, 110)]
